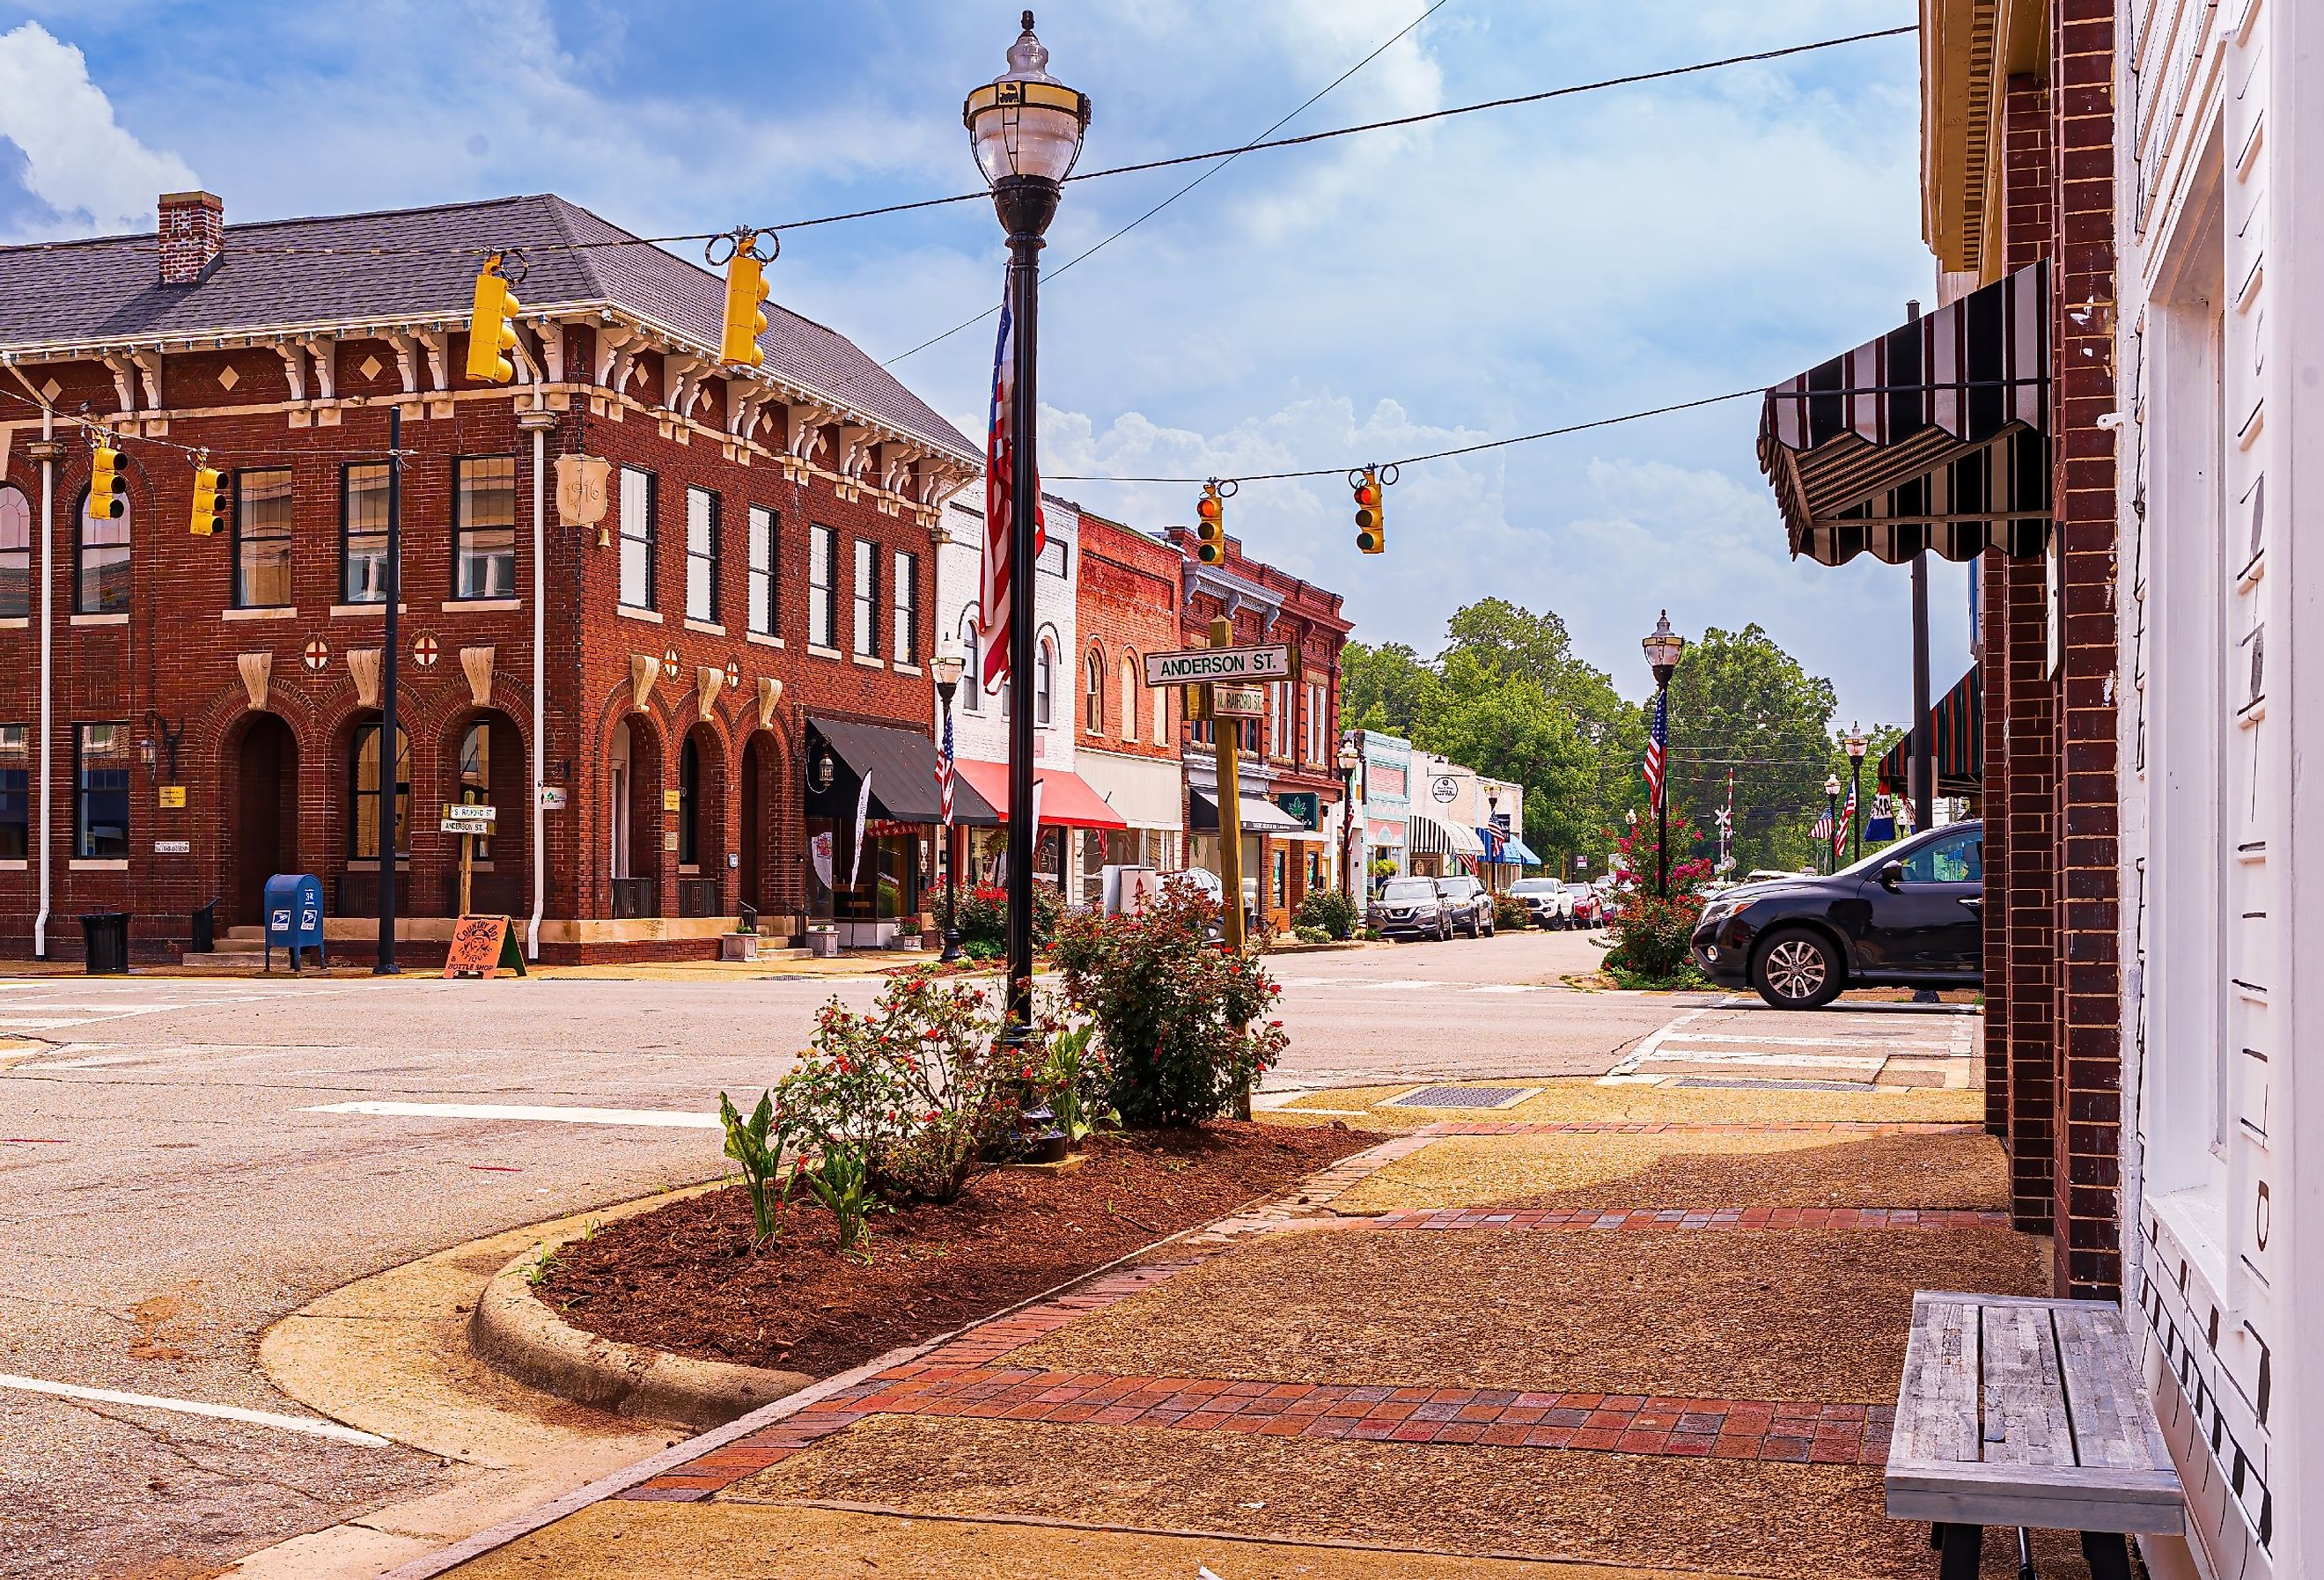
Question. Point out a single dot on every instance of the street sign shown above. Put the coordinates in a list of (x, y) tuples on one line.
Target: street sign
[(470, 818), (1238, 701), (1193, 665)]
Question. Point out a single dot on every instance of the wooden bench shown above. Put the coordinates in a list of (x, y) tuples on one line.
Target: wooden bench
[(2020, 1412)]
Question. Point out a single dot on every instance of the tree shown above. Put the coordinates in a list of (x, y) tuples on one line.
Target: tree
[(1384, 688), (1739, 702)]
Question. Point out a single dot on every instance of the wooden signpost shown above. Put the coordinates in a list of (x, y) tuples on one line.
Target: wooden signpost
[(471, 820)]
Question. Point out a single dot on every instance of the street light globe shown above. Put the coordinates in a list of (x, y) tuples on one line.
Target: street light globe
[(1663, 647), (1025, 122), (945, 666), (1831, 784), (1854, 744)]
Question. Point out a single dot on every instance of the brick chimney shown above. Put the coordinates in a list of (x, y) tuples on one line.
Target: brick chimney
[(193, 233)]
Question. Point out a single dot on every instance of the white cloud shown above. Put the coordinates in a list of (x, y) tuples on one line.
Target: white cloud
[(79, 161)]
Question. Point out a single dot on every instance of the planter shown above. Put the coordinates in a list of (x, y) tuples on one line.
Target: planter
[(738, 947), (822, 943)]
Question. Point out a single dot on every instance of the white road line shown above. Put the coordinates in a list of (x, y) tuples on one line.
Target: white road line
[(1508, 987), (1834, 1061), (223, 1412), (1626, 1068), (659, 1118), (1882, 1043)]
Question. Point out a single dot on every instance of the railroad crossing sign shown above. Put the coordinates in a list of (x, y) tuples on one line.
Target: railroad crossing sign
[(424, 652), (1195, 666), (319, 654)]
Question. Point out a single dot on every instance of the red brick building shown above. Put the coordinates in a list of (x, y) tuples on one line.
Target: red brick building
[(1290, 782), (643, 699), (1126, 745)]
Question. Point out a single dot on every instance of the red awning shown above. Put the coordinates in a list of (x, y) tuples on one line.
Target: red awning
[(1066, 799)]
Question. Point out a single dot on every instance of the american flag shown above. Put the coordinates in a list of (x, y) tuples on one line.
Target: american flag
[(1847, 821), (943, 769), (1656, 743), (1823, 829), (999, 506)]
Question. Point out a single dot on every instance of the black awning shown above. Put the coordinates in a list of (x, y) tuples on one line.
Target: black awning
[(1934, 436), (1957, 728), (902, 766)]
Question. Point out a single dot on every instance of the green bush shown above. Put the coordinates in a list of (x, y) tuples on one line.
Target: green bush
[(1181, 1019), (1329, 911), (984, 918), (1511, 913), (1310, 935)]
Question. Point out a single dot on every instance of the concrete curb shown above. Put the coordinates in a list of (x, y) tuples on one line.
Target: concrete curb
[(519, 1335)]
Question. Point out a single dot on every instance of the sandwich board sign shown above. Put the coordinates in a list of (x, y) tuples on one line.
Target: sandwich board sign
[(481, 945)]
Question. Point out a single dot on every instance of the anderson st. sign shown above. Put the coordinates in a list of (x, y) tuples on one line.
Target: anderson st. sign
[(1193, 666)]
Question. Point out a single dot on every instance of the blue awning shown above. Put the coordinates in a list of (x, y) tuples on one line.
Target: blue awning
[(1507, 850)]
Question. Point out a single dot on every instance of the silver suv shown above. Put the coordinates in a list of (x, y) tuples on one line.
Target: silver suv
[(1411, 907), (1471, 906)]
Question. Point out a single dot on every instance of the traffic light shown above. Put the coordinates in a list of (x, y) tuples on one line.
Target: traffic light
[(1211, 526), (209, 512), (1371, 513), (108, 490), (492, 326), (746, 318)]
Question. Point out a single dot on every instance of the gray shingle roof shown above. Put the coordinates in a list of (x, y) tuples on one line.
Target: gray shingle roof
[(420, 263)]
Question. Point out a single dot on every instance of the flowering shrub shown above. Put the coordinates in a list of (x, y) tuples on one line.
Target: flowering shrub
[(1651, 933), (1329, 911), (984, 919), (918, 1086), (1181, 1021)]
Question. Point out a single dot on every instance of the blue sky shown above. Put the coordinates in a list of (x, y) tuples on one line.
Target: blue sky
[(1372, 297)]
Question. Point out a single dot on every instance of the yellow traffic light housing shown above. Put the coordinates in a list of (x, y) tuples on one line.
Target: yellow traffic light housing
[(108, 490), (746, 317), (1371, 510), (208, 515), (1210, 526), (492, 326)]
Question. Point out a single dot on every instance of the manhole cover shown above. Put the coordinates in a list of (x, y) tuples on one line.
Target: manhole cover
[(1749, 1085), (1461, 1097)]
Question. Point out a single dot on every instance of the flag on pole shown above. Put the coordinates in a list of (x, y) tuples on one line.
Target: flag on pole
[(1000, 504), (1847, 821), (1657, 742), (862, 811), (945, 771), (1823, 829)]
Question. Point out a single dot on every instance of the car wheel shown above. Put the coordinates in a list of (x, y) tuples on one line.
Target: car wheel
[(1798, 970)]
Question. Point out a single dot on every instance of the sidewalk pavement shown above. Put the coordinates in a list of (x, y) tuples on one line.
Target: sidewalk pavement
[(1637, 1332)]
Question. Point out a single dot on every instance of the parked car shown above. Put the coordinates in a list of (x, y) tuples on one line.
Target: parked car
[(1411, 907), (1471, 904), (1585, 905), (1546, 900), (1908, 915)]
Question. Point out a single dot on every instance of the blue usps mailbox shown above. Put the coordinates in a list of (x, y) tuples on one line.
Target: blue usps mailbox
[(294, 915)]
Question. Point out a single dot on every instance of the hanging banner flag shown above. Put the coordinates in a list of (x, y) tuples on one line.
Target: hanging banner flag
[(1001, 460), (819, 851), (862, 810), (945, 771), (1657, 743), (1847, 822), (1036, 818)]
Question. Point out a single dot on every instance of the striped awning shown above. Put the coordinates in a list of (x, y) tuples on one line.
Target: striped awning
[(1433, 836), (1956, 730), (1934, 436)]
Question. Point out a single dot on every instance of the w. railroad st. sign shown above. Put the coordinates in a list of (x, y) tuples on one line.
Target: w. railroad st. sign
[(1193, 666)]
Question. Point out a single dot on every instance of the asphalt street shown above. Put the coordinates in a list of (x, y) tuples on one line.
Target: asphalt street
[(187, 1161)]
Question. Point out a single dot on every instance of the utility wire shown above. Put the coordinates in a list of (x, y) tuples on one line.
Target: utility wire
[(1466, 449), (1120, 170), (1224, 160)]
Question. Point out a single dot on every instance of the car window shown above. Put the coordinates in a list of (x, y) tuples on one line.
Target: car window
[(1956, 859), (1534, 886), (1410, 889)]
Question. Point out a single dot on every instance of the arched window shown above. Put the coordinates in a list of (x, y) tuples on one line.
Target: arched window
[(690, 797), (1043, 680), (362, 774), (477, 775), (101, 561), (971, 678), (1130, 697), (15, 554), (1093, 693)]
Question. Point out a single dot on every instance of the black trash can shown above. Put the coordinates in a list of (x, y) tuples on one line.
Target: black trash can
[(205, 940), (106, 935)]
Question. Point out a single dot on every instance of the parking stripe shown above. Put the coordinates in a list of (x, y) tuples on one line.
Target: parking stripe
[(187, 1407)]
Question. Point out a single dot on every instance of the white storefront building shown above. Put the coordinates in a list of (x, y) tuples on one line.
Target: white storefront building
[(2219, 204)]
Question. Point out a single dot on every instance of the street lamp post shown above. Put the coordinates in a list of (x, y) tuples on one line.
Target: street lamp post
[(1026, 128), (1855, 745), (1350, 761), (1492, 821), (946, 666), (1663, 647), (1831, 811)]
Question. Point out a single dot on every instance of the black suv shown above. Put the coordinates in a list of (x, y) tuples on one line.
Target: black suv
[(1909, 915)]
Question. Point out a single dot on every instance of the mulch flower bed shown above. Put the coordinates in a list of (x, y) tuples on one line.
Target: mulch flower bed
[(680, 1278)]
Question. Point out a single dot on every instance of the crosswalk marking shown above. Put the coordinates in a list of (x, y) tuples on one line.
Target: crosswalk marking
[(655, 1118), (188, 1407)]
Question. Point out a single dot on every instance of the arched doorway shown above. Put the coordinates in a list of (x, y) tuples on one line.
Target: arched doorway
[(701, 823), (758, 828), (633, 818), (484, 762), (264, 836)]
